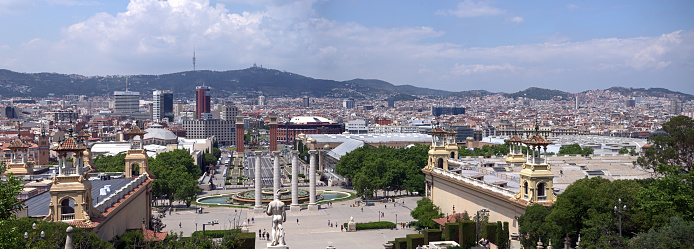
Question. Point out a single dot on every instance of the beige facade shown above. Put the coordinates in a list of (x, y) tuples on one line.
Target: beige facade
[(447, 192)]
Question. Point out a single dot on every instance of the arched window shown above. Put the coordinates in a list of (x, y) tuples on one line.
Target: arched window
[(525, 188), (541, 191), (452, 154), (67, 209), (440, 164)]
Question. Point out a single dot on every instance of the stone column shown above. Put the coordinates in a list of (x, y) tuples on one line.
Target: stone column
[(312, 181), (295, 181), (276, 180), (257, 181)]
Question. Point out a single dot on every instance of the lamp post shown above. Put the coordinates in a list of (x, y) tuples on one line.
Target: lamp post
[(26, 235), (619, 209), (477, 225)]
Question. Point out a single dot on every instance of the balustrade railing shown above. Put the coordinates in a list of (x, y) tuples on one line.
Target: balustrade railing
[(476, 182), (118, 194), (67, 216)]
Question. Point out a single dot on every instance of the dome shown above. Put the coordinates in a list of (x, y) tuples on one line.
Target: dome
[(159, 133)]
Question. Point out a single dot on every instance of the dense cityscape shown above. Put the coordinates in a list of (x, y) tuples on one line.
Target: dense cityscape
[(346, 124)]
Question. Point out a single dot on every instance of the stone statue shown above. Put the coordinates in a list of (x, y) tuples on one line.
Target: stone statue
[(351, 226), (276, 210)]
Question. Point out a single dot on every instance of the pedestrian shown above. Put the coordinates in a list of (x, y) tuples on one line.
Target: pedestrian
[(179, 225), (342, 227), (253, 220), (362, 209), (385, 206), (297, 221), (259, 233)]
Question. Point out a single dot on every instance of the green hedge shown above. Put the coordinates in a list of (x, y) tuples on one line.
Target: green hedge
[(216, 233), (12, 235), (400, 243), (452, 232), (414, 240), (468, 234), (248, 240), (431, 235), (491, 232), (373, 225)]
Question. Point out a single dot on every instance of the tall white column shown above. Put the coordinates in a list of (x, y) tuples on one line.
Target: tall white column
[(295, 181), (276, 182), (258, 187), (312, 181)]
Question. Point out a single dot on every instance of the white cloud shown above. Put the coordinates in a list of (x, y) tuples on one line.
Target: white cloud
[(478, 68), (470, 8), (516, 19), (155, 37)]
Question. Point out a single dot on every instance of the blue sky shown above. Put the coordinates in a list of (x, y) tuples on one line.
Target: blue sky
[(500, 46)]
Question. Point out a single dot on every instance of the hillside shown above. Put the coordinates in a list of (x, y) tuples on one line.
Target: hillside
[(539, 94), (472, 93), (402, 97), (250, 81), (649, 92)]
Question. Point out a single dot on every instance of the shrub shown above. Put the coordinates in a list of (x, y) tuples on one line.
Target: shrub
[(239, 183), (414, 240), (452, 232), (468, 234), (431, 235), (373, 225), (216, 233), (491, 232), (400, 243)]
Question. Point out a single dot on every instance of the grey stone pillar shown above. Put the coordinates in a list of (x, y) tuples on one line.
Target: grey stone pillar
[(68, 239), (258, 187), (312, 181), (276, 182), (295, 181)]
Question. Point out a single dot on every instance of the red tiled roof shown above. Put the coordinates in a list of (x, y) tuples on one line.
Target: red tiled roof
[(135, 131), (448, 219), (151, 235), (18, 144), (437, 130), (70, 144), (537, 140), (515, 139)]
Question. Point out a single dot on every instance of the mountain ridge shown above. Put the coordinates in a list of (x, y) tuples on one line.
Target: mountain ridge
[(256, 81)]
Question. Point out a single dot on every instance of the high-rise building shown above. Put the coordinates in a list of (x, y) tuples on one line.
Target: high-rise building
[(305, 101), (202, 101), (222, 131), (126, 102), (348, 103), (577, 102), (438, 111), (162, 107), (391, 103), (261, 101), (229, 112), (631, 103), (675, 107)]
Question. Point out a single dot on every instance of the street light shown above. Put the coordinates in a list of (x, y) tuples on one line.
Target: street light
[(477, 226), (619, 211)]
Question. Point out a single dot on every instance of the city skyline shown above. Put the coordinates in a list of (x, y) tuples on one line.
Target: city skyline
[(453, 45)]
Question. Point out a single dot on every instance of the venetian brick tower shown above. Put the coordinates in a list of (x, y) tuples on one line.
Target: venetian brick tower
[(273, 132), (239, 135)]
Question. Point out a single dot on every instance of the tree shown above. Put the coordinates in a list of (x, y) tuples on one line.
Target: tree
[(176, 176), (574, 149), (673, 153), (9, 189), (623, 151), (12, 235), (677, 233), (110, 163), (216, 152), (425, 212)]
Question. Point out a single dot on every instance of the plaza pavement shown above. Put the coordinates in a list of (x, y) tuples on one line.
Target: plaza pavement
[(313, 230)]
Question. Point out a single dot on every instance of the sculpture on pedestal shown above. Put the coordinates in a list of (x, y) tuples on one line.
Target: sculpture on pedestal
[(279, 215)]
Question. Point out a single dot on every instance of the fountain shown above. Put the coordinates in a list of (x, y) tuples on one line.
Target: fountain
[(247, 197)]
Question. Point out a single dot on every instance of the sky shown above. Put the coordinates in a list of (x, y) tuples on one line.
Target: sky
[(499, 46)]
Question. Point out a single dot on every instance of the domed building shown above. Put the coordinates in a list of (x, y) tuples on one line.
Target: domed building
[(156, 134)]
